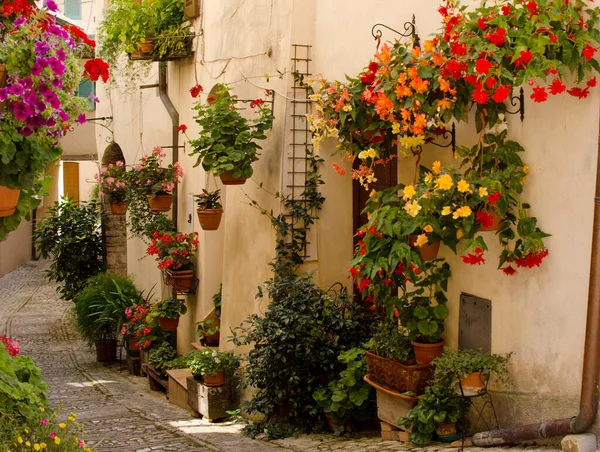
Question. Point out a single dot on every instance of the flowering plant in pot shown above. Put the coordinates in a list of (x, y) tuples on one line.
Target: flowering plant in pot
[(168, 312), (210, 209), (157, 181), (213, 366), (138, 328), (113, 183), (39, 62), (174, 252), (227, 145)]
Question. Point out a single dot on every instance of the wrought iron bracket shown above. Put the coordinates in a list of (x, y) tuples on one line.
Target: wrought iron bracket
[(410, 31), (452, 143), (520, 102), (271, 101)]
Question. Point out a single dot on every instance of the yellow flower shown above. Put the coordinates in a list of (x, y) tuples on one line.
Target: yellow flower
[(428, 45), (409, 191), (36, 446), (362, 155), (446, 210), (411, 142), (57, 440), (62, 425), (428, 228), (525, 169), (372, 153), (396, 127), (27, 443), (483, 192), (463, 186), (412, 208), (463, 211), (436, 167), (428, 177), (20, 440), (444, 182), (421, 240), (371, 178), (43, 445), (42, 409), (71, 418), (459, 233), (347, 108)]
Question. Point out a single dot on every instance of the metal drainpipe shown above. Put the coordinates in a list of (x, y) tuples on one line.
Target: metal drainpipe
[(164, 97), (588, 404)]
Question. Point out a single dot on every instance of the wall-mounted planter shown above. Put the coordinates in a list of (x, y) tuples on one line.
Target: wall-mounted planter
[(227, 179), (210, 219), (8, 200), (118, 208), (160, 203)]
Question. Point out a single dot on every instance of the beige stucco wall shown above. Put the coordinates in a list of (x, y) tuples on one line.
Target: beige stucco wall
[(16, 249), (538, 314)]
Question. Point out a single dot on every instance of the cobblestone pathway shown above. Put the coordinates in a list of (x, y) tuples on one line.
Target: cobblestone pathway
[(119, 411)]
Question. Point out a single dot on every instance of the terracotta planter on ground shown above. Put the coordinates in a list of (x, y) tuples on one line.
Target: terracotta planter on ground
[(118, 208), (106, 350), (495, 222), (160, 203), (210, 219), (226, 179), (474, 382), (8, 200), (167, 324), (131, 341), (425, 353), (181, 280), (445, 430), (213, 381), (429, 251), (397, 376)]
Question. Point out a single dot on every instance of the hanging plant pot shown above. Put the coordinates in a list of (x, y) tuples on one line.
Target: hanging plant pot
[(210, 219), (214, 380), (160, 203), (146, 46), (227, 179), (429, 251), (474, 382), (497, 219), (106, 350), (181, 280), (425, 353), (8, 200), (118, 208), (167, 324)]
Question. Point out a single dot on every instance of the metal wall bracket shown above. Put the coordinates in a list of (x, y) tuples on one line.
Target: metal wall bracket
[(520, 102), (448, 133), (410, 31), (271, 101)]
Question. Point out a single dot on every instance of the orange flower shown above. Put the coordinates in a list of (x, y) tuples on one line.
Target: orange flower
[(413, 72), (405, 113), (444, 85), (420, 85), (415, 52), (338, 169), (385, 55), (403, 91), (402, 79), (419, 124), (383, 106), (428, 45), (437, 59), (444, 104)]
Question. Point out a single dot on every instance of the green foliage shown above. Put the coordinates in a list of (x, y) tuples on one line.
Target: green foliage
[(210, 362), (227, 140), (348, 397), (161, 357), (70, 235), (173, 41), (212, 326), (439, 405), (208, 199), (456, 365), (169, 308), (389, 342), (100, 306)]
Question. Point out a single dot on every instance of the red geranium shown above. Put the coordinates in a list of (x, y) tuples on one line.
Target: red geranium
[(174, 249), (501, 93), (196, 90), (95, 68), (539, 94), (12, 345), (484, 219)]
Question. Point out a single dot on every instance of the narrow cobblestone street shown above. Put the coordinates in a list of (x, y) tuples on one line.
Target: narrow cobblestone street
[(119, 411)]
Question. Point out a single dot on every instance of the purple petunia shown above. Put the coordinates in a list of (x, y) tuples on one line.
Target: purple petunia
[(58, 69), (25, 131), (52, 5), (54, 102), (16, 89), (26, 82), (63, 115), (41, 48), (44, 90), (19, 21), (57, 83), (50, 122), (3, 94), (21, 110), (81, 119), (61, 55)]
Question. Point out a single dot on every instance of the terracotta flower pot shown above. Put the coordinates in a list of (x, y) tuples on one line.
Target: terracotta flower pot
[(425, 353), (429, 251), (214, 380), (398, 376), (146, 46), (181, 280), (167, 324), (210, 219), (160, 203), (131, 343), (443, 430), (3, 75), (474, 382), (118, 208), (8, 200), (497, 219), (106, 350), (226, 179)]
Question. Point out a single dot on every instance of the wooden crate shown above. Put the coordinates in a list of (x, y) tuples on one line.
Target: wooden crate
[(177, 391), (211, 402)]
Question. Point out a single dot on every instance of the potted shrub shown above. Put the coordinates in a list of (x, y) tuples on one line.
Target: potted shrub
[(168, 311), (471, 369), (227, 144), (347, 398), (156, 181), (174, 252), (209, 209), (439, 407), (113, 182), (125, 26), (174, 42), (208, 329), (213, 366), (161, 359)]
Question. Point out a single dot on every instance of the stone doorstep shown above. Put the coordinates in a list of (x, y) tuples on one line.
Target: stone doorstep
[(177, 390)]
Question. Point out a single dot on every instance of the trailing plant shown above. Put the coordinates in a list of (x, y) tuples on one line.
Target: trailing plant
[(174, 41), (348, 397), (113, 180), (174, 250), (389, 342), (227, 140), (208, 200), (456, 365), (70, 236), (211, 362)]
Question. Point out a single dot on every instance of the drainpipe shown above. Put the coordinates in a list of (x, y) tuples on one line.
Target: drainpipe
[(588, 404), (164, 97)]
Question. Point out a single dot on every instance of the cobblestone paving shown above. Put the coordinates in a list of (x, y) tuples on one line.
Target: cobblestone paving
[(119, 411)]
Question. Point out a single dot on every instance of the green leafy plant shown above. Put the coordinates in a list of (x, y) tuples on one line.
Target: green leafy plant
[(348, 397), (168, 308), (456, 365), (174, 41), (113, 180), (70, 235), (210, 362), (440, 404), (212, 326), (162, 357), (209, 200), (389, 342), (227, 140)]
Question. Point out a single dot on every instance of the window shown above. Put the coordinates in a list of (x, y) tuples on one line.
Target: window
[(72, 9), (85, 89)]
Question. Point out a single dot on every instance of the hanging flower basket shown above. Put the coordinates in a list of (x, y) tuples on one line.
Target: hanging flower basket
[(428, 251), (160, 203), (227, 179), (181, 280), (210, 219), (118, 208), (495, 224), (8, 201), (167, 324)]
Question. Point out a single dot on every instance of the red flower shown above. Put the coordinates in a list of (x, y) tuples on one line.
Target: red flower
[(588, 52), (490, 83), (525, 58), (557, 87), (532, 7), (474, 259), (484, 219), (494, 197), (501, 93), (353, 272), (458, 48), (256, 102), (506, 10), (481, 23), (539, 94), (509, 270), (196, 90), (211, 98), (96, 68), (579, 93), (182, 128), (443, 11), (367, 78), (532, 259), (482, 66), (591, 82), (497, 38), (400, 269), (363, 284), (481, 96), (363, 248)]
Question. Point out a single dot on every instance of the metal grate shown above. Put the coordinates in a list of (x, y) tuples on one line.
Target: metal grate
[(298, 138), (475, 323)]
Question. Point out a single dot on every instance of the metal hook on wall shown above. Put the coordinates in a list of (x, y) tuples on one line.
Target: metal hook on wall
[(410, 31)]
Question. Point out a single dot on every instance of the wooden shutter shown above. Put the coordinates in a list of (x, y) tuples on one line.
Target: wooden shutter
[(84, 90), (71, 180), (73, 9)]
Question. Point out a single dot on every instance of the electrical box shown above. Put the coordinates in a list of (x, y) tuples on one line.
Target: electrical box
[(191, 8)]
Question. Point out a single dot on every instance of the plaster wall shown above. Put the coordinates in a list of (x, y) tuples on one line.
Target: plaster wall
[(16, 249)]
